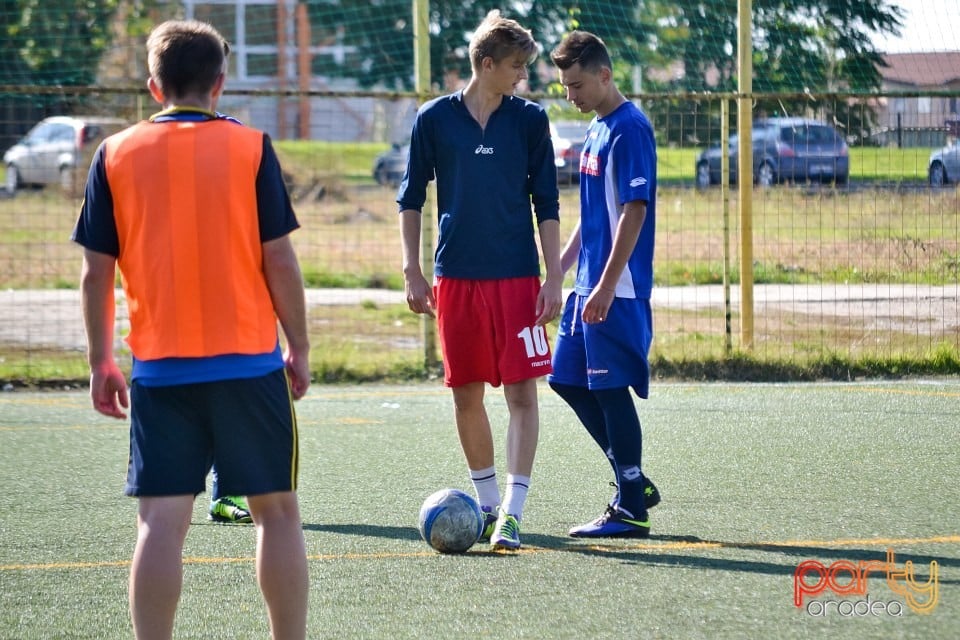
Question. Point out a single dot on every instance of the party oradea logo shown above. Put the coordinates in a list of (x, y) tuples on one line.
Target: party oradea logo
[(851, 581)]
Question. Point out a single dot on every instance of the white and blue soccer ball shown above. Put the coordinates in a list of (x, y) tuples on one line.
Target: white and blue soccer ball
[(450, 521)]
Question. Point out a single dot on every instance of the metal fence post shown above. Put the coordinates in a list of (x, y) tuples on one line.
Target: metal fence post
[(725, 197), (421, 65), (745, 169)]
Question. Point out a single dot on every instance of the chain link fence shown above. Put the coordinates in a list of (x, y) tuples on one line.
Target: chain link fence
[(861, 270)]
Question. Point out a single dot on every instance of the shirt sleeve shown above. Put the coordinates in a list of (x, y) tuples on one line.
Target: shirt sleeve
[(420, 167), (275, 212), (96, 228), (543, 170), (635, 158)]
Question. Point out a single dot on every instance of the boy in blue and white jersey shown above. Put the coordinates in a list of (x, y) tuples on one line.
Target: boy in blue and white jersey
[(607, 326)]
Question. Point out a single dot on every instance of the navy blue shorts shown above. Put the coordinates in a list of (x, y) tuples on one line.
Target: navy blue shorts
[(246, 426), (606, 355)]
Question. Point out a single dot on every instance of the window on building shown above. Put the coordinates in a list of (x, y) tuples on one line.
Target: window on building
[(251, 28)]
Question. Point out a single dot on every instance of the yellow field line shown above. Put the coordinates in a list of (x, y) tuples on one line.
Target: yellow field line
[(602, 548), (910, 392)]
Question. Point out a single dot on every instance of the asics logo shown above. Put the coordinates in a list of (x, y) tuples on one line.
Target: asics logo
[(482, 150), (638, 182)]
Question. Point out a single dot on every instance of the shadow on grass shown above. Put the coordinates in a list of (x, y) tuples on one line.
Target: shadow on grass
[(685, 551), (368, 530), (677, 551)]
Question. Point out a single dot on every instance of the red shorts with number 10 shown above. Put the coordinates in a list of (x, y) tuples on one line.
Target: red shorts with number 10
[(488, 331)]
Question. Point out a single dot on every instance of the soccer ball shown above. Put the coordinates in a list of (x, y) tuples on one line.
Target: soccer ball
[(450, 521)]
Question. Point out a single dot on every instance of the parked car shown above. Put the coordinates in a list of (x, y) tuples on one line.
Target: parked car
[(944, 165), (568, 137), (389, 166), (784, 149), (57, 151)]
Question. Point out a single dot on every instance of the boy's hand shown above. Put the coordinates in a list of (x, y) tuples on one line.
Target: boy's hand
[(549, 300), (108, 390)]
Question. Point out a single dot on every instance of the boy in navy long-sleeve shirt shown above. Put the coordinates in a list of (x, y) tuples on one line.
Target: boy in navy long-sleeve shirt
[(491, 156)]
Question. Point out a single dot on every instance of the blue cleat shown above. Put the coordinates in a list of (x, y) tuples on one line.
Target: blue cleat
[(614, 523)]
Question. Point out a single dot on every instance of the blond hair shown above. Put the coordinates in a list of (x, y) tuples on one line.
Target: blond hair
[(500, 38)]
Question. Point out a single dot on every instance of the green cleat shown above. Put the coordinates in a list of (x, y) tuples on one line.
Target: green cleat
[(232, 509), (506, 534), (489, 523)]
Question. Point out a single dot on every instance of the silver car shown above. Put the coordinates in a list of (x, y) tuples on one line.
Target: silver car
[(56, 151), (944, 165)]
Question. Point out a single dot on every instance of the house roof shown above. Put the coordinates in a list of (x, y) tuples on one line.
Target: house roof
[(927, 70)]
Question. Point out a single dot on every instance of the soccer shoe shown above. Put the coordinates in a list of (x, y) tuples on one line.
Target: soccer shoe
[(489, 523), (614, 523), (651, 495), (230, 509), (506, 533)]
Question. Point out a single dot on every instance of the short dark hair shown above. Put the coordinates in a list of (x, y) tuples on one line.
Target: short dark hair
[(584, 48), (186, 57)]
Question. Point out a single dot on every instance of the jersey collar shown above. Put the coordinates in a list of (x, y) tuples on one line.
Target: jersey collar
[(183, 114)]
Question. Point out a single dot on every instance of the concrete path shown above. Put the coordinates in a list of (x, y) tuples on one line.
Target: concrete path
[(52, 317)]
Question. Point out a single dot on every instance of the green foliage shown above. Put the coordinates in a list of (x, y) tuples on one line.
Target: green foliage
[(798, 48), (381, 32), (59, 43)]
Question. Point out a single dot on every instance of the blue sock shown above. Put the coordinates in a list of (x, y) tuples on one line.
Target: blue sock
[(585, 404), (626, 445)]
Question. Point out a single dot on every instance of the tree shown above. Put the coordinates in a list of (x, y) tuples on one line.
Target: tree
[(60, 43), (800, 47)]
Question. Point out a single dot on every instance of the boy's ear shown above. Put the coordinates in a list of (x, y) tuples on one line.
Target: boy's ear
[(155, 91), (218, 85)]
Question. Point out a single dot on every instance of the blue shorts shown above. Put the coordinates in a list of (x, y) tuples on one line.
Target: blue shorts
[(607, 355), (246, 426)]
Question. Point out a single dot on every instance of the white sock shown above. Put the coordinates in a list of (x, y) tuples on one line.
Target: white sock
[(485, 484), (516, 494)]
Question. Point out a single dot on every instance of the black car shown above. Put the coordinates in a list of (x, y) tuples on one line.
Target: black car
[(784, 149), (389, 166), (568, 137)]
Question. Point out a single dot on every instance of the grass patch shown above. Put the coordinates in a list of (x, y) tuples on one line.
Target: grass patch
[(883, 454)]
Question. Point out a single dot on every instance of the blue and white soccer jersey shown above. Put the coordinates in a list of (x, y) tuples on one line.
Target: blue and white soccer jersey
[(618, 165)]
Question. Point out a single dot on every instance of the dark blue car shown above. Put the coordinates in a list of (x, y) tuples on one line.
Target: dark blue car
[(784, 150)]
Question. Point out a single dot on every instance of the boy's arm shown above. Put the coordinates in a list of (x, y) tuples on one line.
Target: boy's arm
[(550, 298), (571, 250), (419, 292), (108, 388), (285, 282), (624, 240)]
